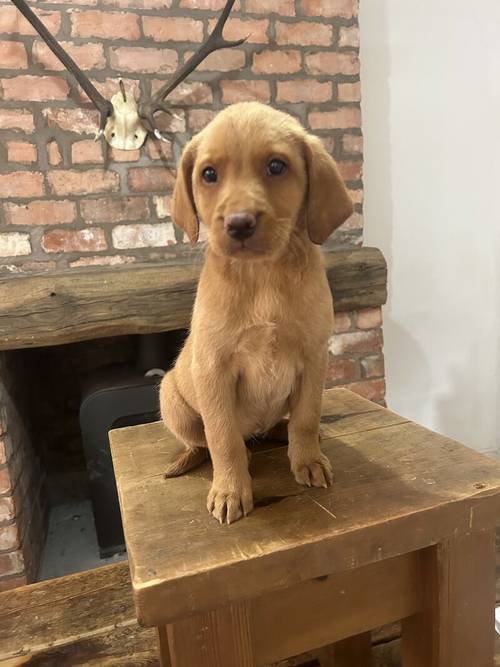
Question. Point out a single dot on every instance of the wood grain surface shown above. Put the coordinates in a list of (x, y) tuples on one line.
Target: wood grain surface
[(398, 488), (36, 311)]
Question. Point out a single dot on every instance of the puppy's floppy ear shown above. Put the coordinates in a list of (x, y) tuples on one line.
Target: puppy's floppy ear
[(184, 212), (328, 204)]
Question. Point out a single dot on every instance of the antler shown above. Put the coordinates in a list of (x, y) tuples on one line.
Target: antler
[(214, 42), (103, 105), (121, 121)]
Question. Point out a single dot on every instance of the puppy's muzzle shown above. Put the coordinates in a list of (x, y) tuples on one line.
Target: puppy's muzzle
[(240, 226)]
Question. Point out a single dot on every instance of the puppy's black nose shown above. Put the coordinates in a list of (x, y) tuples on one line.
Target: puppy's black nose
[(240, 226)]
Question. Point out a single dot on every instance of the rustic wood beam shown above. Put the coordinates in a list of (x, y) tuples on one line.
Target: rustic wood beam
[(57, 308)]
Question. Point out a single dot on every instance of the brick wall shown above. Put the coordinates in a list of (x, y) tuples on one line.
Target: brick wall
[(66, 202), (356, 358), (22, 503)]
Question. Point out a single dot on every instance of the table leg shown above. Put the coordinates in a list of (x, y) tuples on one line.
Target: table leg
[(351, 652), (456, 626), (220, 638)]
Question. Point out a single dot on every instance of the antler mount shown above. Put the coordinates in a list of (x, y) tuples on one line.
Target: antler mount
[(124, 123)]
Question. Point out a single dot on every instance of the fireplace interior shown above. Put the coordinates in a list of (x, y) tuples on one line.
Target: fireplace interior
[(70, 396)]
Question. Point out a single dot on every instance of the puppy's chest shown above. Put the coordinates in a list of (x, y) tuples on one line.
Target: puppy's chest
[(267, 361)]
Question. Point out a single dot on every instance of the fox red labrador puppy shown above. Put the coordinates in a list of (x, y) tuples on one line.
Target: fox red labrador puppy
[(269, 194)]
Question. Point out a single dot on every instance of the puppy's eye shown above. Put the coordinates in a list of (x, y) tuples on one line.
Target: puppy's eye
[(209, 175), (276, 167)]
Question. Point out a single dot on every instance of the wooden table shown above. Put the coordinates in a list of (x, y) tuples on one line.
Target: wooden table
[(406, 532)]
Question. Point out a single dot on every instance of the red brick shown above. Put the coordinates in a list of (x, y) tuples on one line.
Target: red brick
[(354, 222), (240, 91), (369, 318), (53, 153), (332, 63), (107, 209), (277, 62), (171, 123), (118, 155), (72, 182), (158, 150), (139, 59), (199, 118), (357, 341), (303, 90), (190, 94), (373, 366), (349, 36), (7, 509), (162, 206), (352, 143), (346, 118), (342, 371), (342, 322), (373, 390), (14, 119), (305, 33), (329, 143), (88, 56), (14, 245), (224, 60), (34, 88), (9, 539), (150, 179), (21, 184), (9, 583), (83, 121), (138, 4), (213, 5), (21, 151), (345, 9), (349, 92), (143, 236), (283, 7), (40, 213), (172, 29), (351, 171), (110, 86), (3, 450), (5, 481), (13, 55), (82, 240), (107, 25), (102, 260), (12, 22), (87, 151), (84, 3), (254, 30), (11, 563)]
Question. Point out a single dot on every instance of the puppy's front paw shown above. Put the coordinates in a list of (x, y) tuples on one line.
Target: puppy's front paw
[(313, 470), (230, 499)]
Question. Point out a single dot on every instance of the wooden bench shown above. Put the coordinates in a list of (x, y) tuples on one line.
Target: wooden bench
[(406, 532)]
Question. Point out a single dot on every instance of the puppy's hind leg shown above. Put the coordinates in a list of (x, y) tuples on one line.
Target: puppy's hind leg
[(185, 424)]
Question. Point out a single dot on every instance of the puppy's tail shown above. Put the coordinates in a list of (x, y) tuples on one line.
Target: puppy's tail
[(187, 460)]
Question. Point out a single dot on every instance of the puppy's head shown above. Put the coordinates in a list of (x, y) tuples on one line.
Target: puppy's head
[(253, 175)]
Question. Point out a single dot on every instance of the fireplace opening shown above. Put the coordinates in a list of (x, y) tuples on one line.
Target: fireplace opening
[(68, 397)]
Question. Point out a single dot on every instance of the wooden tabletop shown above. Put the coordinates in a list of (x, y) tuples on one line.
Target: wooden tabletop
[(398, 487)]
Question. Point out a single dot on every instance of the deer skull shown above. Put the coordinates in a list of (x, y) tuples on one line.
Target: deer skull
[(124, 128)]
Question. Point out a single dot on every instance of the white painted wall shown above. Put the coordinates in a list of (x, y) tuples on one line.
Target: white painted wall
[(431, 119)]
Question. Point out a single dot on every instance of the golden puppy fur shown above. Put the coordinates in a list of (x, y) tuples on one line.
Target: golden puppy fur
[(257, 350)]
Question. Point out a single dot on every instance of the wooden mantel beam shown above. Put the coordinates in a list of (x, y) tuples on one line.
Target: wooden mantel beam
[(57, 308)]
